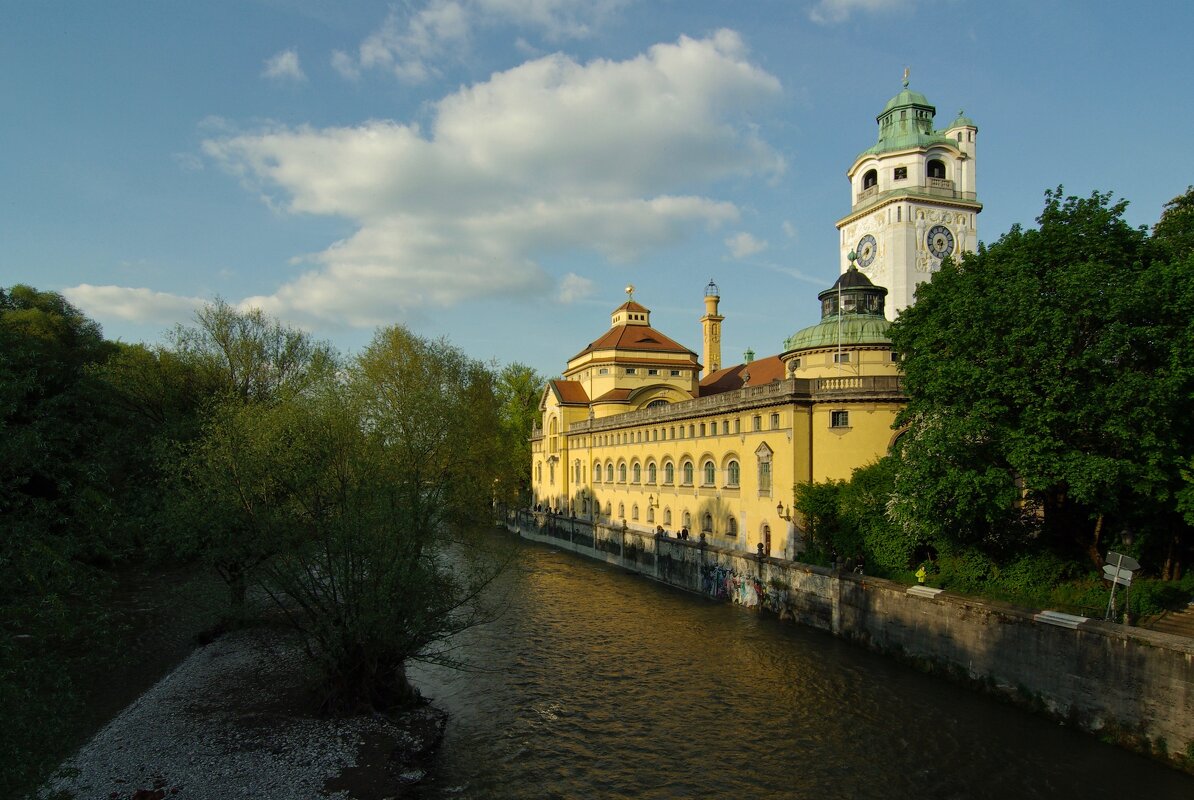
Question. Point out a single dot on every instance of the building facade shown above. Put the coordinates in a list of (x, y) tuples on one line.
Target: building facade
[(640, 432)]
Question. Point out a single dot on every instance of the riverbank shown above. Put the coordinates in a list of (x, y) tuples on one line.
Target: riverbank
[(1127, 685), (233, 720)]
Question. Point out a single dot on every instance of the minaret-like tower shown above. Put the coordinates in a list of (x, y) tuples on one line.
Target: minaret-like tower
[(711, 329), (913, 199)]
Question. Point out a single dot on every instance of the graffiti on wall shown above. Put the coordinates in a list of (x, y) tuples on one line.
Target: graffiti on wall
[(745, 590)]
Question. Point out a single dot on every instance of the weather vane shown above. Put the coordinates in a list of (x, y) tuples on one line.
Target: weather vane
[(630, 291), (906, 73)]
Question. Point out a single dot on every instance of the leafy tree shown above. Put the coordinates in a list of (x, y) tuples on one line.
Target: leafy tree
[(231, 501), (519, 388), (1049, 381)]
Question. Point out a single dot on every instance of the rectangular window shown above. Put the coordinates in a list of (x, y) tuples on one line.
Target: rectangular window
[(764, 477), (839, 419), (756, 423), (652, 372), (675, 373), (603, 371), (794, 364), (775, 422), (737, 426), (725, 426), (841, 358), (631, 371), (901, 173), (895, 356), (702, 429)]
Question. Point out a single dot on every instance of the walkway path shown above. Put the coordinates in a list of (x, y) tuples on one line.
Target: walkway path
[(1180, 623)]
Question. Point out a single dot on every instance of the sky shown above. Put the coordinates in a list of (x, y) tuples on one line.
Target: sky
[(496, 172)]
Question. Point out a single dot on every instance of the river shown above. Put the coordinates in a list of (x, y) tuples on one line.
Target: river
[(596, 683)]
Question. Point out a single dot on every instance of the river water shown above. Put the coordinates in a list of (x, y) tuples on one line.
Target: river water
[(596, 683)]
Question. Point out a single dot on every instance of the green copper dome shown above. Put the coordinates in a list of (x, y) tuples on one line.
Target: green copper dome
[(906, 98), (851, 314), (906, 123), (854, 330)]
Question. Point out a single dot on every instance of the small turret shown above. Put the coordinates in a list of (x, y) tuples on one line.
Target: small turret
[(711, 329)]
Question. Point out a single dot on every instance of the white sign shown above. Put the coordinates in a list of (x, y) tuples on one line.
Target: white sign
[(1122, 561), (1121, 576)]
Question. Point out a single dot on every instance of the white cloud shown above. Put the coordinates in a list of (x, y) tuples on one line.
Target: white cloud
[(789, 229), (284, 67), (743, 245), (550, 157), (574, 287), (135, 305), (411, 41), (828, 12)]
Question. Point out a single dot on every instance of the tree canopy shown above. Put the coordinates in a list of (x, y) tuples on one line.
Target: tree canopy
[(1050, 377)]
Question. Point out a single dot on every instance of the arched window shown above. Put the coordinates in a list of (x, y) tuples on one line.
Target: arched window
[(621, 511), (710, 473), (687, 520), (621, 473), (733, 474), (656, 403), (637, 473), (687, 468), (539, 473), (667, 516), (707, 523), (596, 472), (551, 471), (650, 513), (937, 169), (871, 178), (609, 473), (634, 511), (731, 526), (650, 473), (669, 473), (607, 508)]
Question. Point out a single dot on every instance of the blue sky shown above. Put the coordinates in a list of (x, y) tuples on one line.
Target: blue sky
[(496, 171)]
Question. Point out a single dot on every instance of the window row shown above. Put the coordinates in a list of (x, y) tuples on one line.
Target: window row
[(635, 472), (692, 430)]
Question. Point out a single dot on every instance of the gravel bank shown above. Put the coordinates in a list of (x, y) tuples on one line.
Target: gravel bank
[(231, 721)]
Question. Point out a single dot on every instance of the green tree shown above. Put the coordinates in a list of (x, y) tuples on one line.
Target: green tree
[(229, 480), (392, 470), (1048, 377), (519, 390)]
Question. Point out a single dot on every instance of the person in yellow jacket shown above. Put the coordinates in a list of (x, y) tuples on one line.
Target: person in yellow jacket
[(921, 574)]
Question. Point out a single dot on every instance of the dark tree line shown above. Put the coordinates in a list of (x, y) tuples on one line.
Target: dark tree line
[(345, 488)]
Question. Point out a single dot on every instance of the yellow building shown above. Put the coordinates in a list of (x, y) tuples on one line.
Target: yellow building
[(635, 432)]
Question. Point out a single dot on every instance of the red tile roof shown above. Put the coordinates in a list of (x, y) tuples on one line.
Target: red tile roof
[(570, 393), (635, 337), (631, 306), (761, 371), (614, 396)]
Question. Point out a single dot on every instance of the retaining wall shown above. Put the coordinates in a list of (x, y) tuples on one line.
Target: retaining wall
[(1136, 686)]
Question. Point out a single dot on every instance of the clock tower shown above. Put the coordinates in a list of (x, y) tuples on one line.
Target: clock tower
[(913, 198)]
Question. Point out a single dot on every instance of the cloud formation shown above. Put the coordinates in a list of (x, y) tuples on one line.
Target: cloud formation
[(829, 12), (549, 157), (284, 66), (410, 42), (132, 304), (743, 245)]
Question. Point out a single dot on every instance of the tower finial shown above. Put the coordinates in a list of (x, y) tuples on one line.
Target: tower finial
[(629, 291), (906, 73)]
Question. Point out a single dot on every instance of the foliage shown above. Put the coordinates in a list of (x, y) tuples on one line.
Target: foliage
[(230, 480), (344, 501), (1049, 378), (519, 388)]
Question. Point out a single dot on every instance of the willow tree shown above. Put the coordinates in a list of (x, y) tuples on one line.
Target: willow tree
[(391, 466)]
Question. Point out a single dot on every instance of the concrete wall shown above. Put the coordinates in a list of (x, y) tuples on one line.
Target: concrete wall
[(1133, 685)]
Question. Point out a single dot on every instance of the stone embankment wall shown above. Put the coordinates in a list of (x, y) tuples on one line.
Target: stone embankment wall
[(1132, 685)]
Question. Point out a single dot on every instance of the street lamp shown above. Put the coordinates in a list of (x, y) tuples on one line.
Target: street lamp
[(786, 516)]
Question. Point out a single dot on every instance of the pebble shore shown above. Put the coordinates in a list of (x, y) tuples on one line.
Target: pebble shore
[(231, 721)]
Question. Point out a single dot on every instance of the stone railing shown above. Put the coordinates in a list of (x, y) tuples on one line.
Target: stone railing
[(746, 397), (941, 183), (871, 384)]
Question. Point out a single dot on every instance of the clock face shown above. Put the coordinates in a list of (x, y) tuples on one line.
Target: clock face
[(940, 241), (866, 251)]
